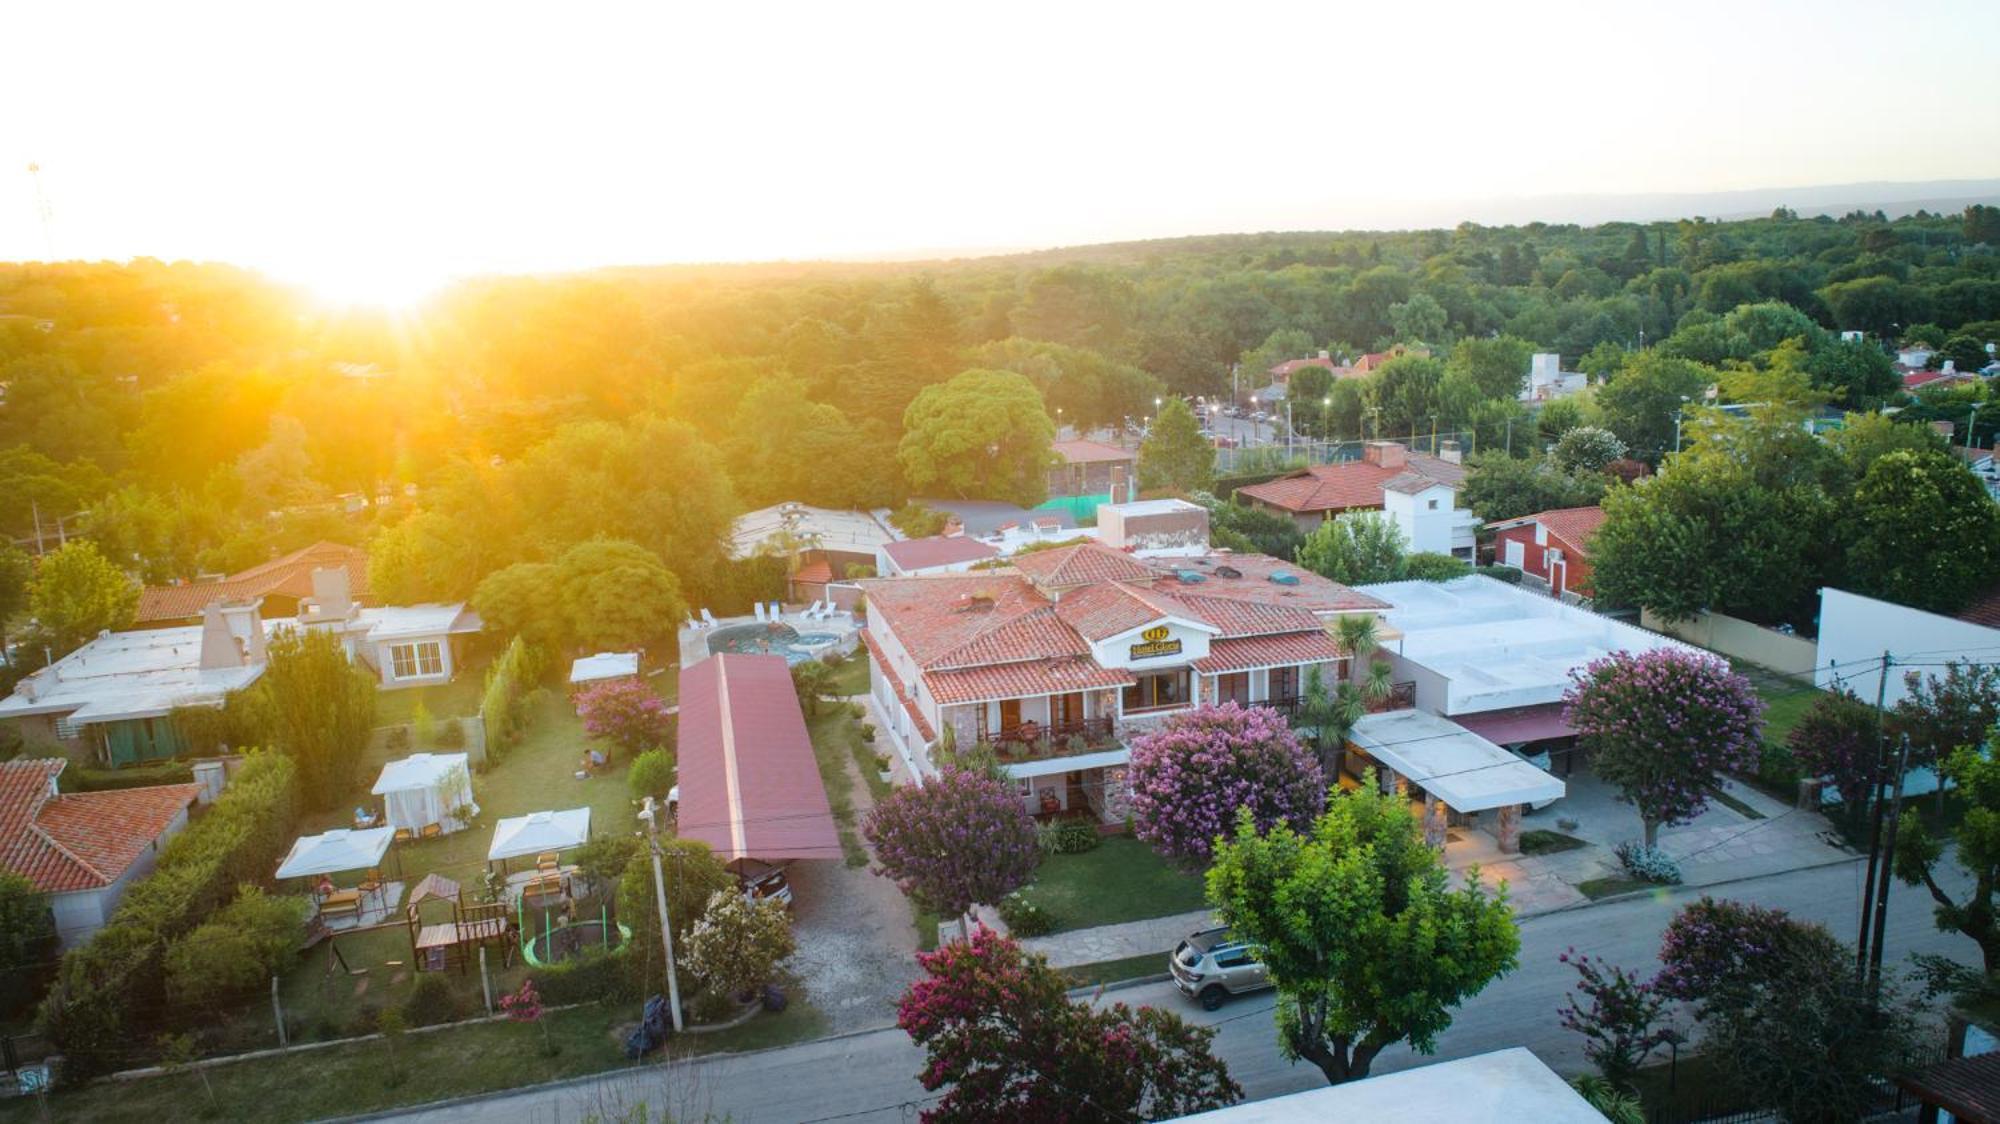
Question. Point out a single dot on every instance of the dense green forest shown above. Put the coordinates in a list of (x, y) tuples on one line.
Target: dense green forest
[(196, 418)]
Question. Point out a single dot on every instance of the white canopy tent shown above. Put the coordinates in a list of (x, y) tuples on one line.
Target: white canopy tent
[(538, 832), (602, 666), (335, 851), (424, 789)]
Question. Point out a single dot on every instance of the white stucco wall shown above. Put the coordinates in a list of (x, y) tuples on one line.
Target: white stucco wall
[(1854, 631), (1116, 651)]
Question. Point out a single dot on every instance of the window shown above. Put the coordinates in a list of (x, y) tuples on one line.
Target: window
[(1284, 683), (414, 661), (1434, 505), (1234, 687), (1157, 691)]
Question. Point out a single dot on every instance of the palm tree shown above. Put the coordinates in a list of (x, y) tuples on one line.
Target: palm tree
[(1331, 715), (1360, 634)]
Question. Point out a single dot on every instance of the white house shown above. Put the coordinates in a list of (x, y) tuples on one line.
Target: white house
[(83, 849), (1547, 381), (1854, 632), (1419, 492), (1505, 1085)]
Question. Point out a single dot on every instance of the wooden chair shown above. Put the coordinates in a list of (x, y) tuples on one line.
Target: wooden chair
[(341, 903), (433, 830), (548, 862), (402, 836), (370, 885)]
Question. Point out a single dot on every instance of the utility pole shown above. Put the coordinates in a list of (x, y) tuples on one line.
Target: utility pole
[(650, 815), (1888, 860), (1861, 958)]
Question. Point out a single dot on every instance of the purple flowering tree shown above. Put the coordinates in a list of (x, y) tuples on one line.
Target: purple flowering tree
[(1712, 947), (1620, 1022), (1190, 776), (1661, 725), (1836, 740), (959, 838), (626, 713)]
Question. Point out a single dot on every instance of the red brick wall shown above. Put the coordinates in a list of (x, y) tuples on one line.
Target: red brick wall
[(1534, 559)]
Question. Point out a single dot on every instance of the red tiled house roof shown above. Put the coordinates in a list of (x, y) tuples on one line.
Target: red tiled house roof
[(78, 841), (1082, 564), (289, 576), (1352, 484), (1239, 653), (1573, 525)]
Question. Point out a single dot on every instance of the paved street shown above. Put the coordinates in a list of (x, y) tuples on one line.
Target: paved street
[(870, 1076)]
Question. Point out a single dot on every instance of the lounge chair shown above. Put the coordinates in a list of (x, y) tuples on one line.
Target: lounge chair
[(707, 619), (761, 618), (814, 610), (777, 610)]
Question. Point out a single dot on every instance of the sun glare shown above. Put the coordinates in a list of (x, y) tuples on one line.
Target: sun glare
[(358, 283)]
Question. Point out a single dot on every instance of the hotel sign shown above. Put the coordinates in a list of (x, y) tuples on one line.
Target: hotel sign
[(1155, 643)]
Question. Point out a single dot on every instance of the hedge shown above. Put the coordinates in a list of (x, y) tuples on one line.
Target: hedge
[(503, 708), (591, 976), (111, 990), (75, 779)]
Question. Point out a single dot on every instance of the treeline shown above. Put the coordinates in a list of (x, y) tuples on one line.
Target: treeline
[(198, 418)]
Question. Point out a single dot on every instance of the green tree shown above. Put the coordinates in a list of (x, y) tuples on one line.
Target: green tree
[(1975, 845), (27, 928), (1084, 387), (1640, 405), (983, 434), (617, 596), (1858, 373), (1175, 456), (78, 593), (1587, 449), (1503, 487), (1923, 532), (811, 680), (652, 774), (1964, 352), (1419, 320), (1498, 366), (17, 574), (1363, 937), (235, 953), (322, 711), (1404, 394), (692, 876), (737, 945), (523, 600), (1355, 548)]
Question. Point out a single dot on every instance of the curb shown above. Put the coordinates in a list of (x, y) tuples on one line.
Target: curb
[(1089, 990), (1633, 895)]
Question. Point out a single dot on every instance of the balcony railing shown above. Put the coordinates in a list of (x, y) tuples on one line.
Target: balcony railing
[(1402, 696), (1031, 741)]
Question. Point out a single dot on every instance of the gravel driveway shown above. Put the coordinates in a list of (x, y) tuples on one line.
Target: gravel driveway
[(856, 946)]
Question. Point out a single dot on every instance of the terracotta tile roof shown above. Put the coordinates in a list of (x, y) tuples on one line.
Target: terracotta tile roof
[(1098, 611), (896, 682), (1985, 610), (289, 576), (1286, 369), (1036, 635), (1091, 452), (1238, 618), (938, 550), (109, 831), (1082, 564), (1968, 1087), (1573, 525), (936, 615), (80, 841), (1021, 680), (1351, 484), (814, 573), (1243, 653)]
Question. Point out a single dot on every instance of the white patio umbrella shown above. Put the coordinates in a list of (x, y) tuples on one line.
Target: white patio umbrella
[(540, 831), (337, 850), (424, 788)]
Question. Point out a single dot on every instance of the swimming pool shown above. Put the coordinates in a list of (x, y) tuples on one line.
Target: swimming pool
[(783, 639)]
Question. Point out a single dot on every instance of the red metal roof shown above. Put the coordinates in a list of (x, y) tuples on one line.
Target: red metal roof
[(1021, 680), (1350, 484), (1091, 452), (79, 841), (938, 550), (1244, 653), (750, 786), (289, 576), (1518, 724), (1968, 1088)]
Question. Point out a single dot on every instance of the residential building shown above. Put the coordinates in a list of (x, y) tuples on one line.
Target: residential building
[(280, 584), (111, 699), (1493, 657), (1092, 468), (1281, 375), (1855, 632), (824, 543), (1419, 492), (1914, 358), (1154, 528), (83, 849), (938, 554), (1504, 1085), (1059, 658), (1547, 381), (1554, 546)]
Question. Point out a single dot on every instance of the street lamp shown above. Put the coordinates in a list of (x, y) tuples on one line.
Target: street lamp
[(1325, 428), (1679, 412)]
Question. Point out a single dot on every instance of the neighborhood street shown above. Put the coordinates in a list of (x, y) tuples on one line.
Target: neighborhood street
[(870, 1076)]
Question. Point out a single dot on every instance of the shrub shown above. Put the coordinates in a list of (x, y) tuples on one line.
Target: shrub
[(1429, 566), (652, 774), (738, 944), (710, 1006), (431, 1001), (1545, 842), (108, 780), (423, 728), (1066, 837), (1778, 767), (1509, 574), (503, 708), (591, 976), (604, 858), (1648, 864), (367, 1020), (90, 1011), (1024, 918), (236, 952), (626, 713), (397, 739), (451, 734)]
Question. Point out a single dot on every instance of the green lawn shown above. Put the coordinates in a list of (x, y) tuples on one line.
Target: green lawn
[(834, 734), (362, 1077), (1605, 887), (850, 676), (1112, 971), (1122, 880), (456, 699)]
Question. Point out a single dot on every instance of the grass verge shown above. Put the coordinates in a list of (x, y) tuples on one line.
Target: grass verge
[(833, 732), (1595, 888), (1544, 842), (1737, 806), (1112, 971)]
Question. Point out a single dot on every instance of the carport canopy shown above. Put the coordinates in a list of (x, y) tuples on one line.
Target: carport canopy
[(1467, 772), (337, 850), (750, 786)]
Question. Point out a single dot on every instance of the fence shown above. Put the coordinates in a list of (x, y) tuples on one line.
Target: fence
[(1741, 640), (1261, 458)]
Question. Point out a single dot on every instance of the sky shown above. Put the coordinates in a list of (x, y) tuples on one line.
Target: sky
[(374, 150)]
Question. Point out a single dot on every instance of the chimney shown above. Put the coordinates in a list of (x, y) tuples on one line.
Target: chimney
[(1325, 354), (1448, 452), (954, 527), (330, 599), (232, 634), (1387, 454)]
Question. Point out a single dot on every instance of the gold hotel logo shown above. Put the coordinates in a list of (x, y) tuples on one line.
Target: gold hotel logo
[(1153, 644), (1155, 634)]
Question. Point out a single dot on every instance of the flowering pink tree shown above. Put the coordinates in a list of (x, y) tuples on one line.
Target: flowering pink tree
[(959, 838), (1007, 1042), (1190, 776), (1712, 947), (1836, 740), (1621, 1023), (525, 1006), (626, 713), (1661, 725)]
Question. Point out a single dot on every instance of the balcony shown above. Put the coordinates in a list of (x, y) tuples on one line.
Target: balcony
[(1037, 741), (1402, 696)]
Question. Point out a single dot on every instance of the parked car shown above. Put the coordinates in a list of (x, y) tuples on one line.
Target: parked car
[(1540, 761), (1225, 442), (762, 880), (1210, 966)]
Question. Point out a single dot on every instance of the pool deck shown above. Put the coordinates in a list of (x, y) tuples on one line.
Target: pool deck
[(694, 641)]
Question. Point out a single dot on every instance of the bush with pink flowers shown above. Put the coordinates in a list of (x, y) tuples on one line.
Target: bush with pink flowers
[(1190, 776)]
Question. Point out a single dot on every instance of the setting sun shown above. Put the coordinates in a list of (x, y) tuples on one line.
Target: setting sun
[(364, 282)]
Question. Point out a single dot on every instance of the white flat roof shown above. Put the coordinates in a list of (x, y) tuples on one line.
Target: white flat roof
[(1498, 645), (1510, 1085), (119, 675), (1150, 507), (856, 532), (393, 622), (604, 665), (1451, 762)]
